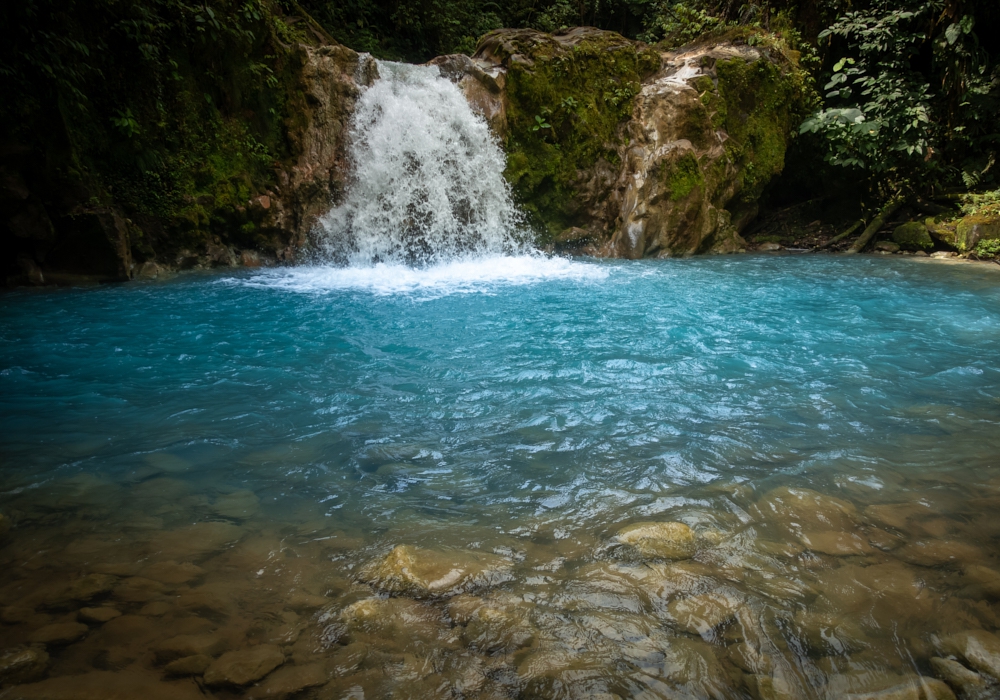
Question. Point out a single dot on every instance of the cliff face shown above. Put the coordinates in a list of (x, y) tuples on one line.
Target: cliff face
[(619, 150)]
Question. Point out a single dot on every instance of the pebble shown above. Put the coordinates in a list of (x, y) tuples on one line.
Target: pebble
[(244, 666), (60, 633), (655, 540), (97, 615)]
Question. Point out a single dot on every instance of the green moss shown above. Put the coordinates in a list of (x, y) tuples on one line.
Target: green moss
[(682, 177), (584, 93)]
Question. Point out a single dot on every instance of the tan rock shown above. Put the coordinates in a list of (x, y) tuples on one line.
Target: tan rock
[(59, 633), (91, 586), (806, 509), (157, 608), (654, 540), (189, 665), (939, 553), (986, 578), (244, 666), (493, 629), (97, 615), (22, 664), (395, 619), (424, 572)]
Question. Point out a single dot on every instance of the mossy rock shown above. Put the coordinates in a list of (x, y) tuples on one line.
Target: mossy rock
[(972, 230), (567, 94), (913, 236)]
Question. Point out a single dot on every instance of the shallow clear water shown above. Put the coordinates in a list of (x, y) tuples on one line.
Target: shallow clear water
[(285, 429)]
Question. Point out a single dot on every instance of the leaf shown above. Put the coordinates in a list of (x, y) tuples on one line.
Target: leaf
[(952, 33)]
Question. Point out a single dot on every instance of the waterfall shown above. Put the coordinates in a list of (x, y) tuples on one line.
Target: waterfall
[(427, 184)]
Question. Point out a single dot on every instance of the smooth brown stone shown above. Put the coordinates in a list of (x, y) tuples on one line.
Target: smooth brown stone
[(60, 633), (244, 666), (185, 645), (97, 615), (290, 680), (108, 685), (189, 665), (172, 573)]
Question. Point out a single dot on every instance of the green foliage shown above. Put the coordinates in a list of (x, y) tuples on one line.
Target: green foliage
[(986, 204), (911, 101), (989, 248), (175, 108)]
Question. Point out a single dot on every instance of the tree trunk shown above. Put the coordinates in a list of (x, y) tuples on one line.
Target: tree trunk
[(877, 223)]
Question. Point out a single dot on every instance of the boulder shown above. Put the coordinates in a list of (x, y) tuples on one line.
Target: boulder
[(244, 666), (913, 236), (653, 540), (424, 573), (971, 230), (646, 152), (887, 246)]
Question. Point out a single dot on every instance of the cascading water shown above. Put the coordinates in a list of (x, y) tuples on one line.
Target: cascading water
[(428, 182)]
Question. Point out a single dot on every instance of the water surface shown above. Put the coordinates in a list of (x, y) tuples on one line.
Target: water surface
[(828, 428)]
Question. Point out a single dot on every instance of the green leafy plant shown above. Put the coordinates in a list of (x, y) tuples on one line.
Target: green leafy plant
[(989, 248), (540, 123)]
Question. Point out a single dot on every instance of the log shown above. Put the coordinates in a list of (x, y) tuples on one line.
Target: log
[(841, 236), (877, 223)]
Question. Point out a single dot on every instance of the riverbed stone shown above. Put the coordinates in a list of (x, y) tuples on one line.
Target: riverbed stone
[(887, 246), (939, 553), (492, 629), (965, 681), (238, 505), (137, 589), (185, 645), (421, 572), (172, 573), (659, 540), (987, 579), (60, 633), (702, 614), (244, 666), (834, 543), (97, 616), (806, 509), (978, 647), (130, 684), (398, 619), (290, 680), (22, 664), (189, 665)]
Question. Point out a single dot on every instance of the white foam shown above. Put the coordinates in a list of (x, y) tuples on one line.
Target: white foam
[(482, 275)]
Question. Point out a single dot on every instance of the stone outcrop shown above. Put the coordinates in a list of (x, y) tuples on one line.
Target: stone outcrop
[(620, 150)]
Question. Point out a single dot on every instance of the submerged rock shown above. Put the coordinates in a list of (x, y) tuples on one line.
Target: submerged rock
[(425, 573), (289, 681), (97, 615), (244, 666), (652, 540), (978, 647), (702, 614), (60, 633), (22, 664), (969, 683), (131, 684), (189, 665), (186, 645), (238, 505)]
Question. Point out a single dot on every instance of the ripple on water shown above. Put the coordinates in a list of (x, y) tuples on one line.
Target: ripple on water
[(442, 498)]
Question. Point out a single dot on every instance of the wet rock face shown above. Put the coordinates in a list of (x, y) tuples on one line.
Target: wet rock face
[(329, 83), (245, 666), (659, 540), (634, 152)]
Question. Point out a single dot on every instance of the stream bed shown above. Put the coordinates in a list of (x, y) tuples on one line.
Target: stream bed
[(391, 482)]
